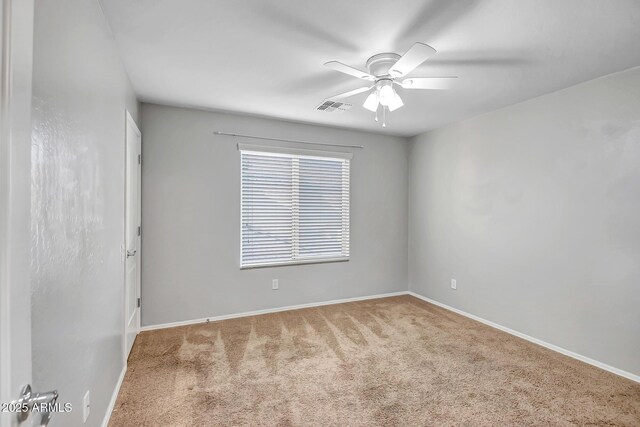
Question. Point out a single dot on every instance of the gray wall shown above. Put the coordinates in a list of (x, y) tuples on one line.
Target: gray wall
[(535, 210), (191, 219), (80, 94)]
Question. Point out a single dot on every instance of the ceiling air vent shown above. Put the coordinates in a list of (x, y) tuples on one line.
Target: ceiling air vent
[(333, 106)]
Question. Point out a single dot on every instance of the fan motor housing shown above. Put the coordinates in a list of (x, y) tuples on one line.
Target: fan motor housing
[(379, 65)]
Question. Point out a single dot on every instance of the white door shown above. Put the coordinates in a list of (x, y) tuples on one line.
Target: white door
[(132, 233), (16, 33), (16, 48)]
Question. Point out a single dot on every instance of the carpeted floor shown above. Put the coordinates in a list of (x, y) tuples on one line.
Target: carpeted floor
[(388, 362)]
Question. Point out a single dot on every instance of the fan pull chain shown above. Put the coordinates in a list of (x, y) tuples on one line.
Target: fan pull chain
[(376, 118), (384, 116)]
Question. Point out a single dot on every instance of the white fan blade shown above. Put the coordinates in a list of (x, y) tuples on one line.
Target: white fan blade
[(416, 55), (350, 93), (343, 68), (436, 83)]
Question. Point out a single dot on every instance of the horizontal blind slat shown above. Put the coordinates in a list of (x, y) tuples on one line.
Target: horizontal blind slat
[(293, 208)]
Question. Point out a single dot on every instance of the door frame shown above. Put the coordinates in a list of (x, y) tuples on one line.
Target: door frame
[(16, 67), (129, 121)]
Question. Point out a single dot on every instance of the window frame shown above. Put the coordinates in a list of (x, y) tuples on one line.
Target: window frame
[(286, 152)]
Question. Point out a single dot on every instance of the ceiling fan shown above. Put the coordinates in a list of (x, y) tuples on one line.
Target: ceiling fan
[(385, 72)]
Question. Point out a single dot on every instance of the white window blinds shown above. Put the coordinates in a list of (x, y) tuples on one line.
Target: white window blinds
[(294, 206)]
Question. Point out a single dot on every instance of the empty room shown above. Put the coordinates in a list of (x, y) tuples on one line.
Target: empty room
[(320, 213)]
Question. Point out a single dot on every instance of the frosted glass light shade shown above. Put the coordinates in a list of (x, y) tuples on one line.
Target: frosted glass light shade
[(371, 103), (396, 102), (386, 94)]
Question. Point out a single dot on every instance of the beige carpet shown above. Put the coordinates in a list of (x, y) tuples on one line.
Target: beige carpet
[(387, 362)]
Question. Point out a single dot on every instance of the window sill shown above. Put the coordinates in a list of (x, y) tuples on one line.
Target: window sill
[(291, 263)]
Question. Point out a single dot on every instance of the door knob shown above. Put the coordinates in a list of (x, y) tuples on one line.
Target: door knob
[(44, 403)]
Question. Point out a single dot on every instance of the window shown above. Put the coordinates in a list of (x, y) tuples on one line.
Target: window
[(294, 206)]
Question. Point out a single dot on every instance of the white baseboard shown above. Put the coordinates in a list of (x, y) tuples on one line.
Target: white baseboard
[(561, 350), (114, 397), (268, 310)]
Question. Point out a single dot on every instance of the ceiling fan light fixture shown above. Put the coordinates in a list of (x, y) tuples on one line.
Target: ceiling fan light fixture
[(396, 102), (371, 103), (386, 93), (384, 71)]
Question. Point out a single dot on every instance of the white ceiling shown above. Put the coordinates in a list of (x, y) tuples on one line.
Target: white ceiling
[(266, 57)]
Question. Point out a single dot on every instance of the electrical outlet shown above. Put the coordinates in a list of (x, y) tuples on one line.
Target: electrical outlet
[(274, 284), (86, 406), (454, 284)]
